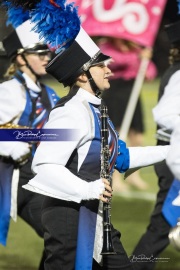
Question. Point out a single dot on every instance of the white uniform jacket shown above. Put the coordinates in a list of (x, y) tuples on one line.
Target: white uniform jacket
[(15, 108), (53, 178), (166, 113)]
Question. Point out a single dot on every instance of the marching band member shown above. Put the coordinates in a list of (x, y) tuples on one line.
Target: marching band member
[(24, 102), (68, 172), (166, 114)]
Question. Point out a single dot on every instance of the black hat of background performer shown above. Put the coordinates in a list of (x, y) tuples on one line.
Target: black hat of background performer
[(23, 39), (11, 44), (78, 58)]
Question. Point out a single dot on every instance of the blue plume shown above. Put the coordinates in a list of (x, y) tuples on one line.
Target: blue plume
[(57, 23), (16, 15)]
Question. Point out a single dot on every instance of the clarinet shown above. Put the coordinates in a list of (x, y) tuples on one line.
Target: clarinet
[(108, 248)]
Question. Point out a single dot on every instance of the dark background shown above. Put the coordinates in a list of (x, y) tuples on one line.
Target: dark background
[(161, 46)]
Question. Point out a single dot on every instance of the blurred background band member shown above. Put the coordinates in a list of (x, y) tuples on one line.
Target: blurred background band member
[(166, 114), (24, 102)]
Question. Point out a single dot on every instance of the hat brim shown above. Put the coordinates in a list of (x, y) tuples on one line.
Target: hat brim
[(101, 58), (35, 48)]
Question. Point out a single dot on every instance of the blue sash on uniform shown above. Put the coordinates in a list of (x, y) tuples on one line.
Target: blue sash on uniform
[(6, 169), (172, 212), (86, 236), (88, 212)]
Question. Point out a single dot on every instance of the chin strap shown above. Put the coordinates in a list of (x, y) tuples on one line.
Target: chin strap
[(30, 68), (93, 84)]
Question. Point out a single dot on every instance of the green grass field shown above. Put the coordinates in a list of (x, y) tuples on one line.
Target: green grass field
[(130, 214)]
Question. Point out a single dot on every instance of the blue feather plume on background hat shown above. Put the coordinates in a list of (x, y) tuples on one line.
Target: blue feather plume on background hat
[(16, 15), (55, 21)]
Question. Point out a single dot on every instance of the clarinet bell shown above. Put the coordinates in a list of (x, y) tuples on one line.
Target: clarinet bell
[(174, 236)]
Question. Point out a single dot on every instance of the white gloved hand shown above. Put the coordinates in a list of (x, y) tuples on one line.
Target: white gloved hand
[(95, 189), (20, 151)]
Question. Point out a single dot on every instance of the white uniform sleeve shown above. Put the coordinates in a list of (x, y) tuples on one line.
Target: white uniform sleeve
[(173, 158), (12, 101), (147, 155), (52, 177), (167, 112), (63, 184)]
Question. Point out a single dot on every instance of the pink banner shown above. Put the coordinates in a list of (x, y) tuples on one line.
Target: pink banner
[(136, 20)]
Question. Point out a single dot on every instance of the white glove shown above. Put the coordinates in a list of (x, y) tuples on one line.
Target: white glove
[(20, 151), (95, 189)]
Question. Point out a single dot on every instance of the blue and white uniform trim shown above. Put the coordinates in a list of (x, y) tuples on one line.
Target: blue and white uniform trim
[(12, 109)]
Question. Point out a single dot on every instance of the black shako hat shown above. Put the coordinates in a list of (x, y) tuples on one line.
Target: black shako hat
[(22, 39), (173, 32), (58, 22), (76, 59)]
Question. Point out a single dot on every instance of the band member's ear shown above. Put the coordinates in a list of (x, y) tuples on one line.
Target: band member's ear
[(20, 60), (82, 78)]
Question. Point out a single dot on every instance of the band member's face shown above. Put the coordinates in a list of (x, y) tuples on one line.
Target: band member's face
[(100, 74), (38, 62)]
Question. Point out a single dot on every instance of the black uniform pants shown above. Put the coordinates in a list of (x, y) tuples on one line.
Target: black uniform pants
[(60, 224), (30, 204), (155, 239)]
